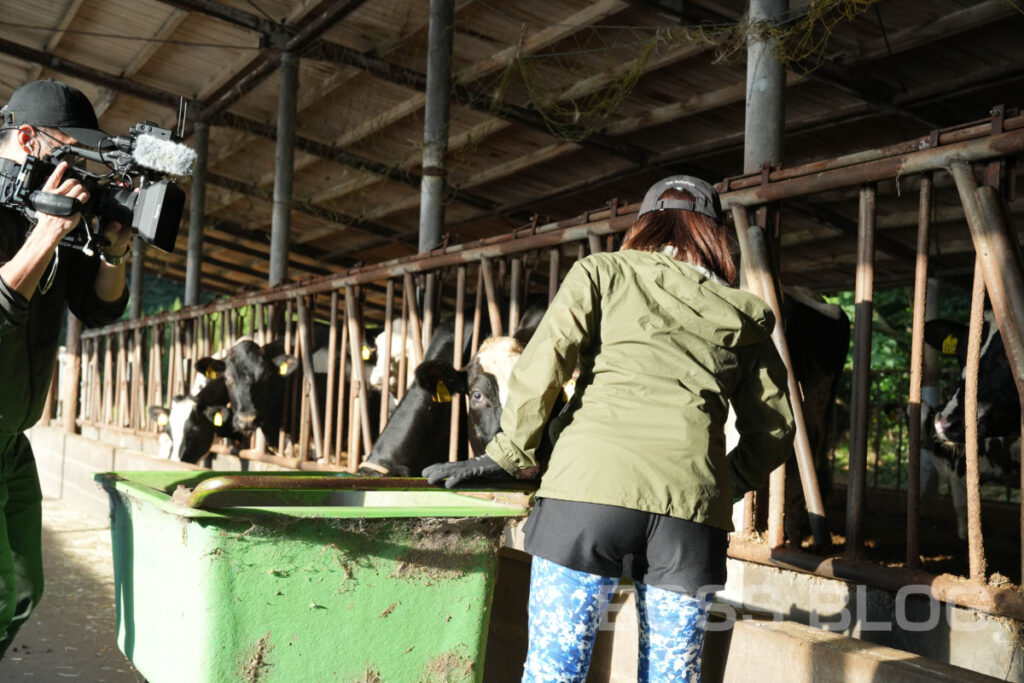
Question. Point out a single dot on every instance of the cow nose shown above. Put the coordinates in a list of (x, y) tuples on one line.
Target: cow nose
[(246, 421)]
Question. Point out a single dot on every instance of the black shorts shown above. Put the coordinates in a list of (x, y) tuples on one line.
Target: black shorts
[(607, 540)]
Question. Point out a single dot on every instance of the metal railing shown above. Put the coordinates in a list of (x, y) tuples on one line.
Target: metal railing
[(129, 365)]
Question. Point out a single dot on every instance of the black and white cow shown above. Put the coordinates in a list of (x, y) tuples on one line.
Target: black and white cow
[(193, 421), (418, 431), (998, 414), (254, 380)]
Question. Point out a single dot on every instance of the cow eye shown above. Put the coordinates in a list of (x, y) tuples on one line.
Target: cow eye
[(477, 396)]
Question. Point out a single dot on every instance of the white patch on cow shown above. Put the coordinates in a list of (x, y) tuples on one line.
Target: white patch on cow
[(397, 349), (497, 356), (166, 446), (953, 404), (181, 410), (813, 301)]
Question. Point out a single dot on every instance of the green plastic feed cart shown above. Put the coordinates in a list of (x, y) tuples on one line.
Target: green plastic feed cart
[(300, 578)]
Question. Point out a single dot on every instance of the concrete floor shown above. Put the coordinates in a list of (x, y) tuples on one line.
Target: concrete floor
[(72, 633)]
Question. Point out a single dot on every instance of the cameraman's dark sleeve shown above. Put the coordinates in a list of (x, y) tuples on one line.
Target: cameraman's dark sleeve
[(13, 308), (82, 298)]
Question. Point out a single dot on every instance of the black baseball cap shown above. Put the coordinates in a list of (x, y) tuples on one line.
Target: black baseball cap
[(705, 197), (53, 104)]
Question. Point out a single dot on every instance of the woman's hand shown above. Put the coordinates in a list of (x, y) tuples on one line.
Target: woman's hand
[(454, 473)]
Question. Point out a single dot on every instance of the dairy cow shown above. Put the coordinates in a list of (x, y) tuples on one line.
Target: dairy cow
[(193, 421), (418, 432), (254, 382), (998, 414)]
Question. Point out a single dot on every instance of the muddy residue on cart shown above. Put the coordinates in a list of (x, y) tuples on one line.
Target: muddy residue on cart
[(257, 664), (449, 667), (444, 549)]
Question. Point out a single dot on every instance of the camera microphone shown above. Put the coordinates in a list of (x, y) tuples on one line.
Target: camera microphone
[(163, 155)]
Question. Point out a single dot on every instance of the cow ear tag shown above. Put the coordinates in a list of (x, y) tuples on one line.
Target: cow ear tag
[(949, 345), (218, 419), (366, 352), (161, 420), (441, 393), (210, 373)]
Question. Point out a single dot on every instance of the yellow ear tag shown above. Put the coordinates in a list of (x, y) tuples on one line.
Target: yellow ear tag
[(949, 345), (210, 373), (441, 393), (284, 368), (367, 352), (218, 419), (161, 420)]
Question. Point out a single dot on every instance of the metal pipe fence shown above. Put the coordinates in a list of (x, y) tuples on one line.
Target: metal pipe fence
[(128, 366)]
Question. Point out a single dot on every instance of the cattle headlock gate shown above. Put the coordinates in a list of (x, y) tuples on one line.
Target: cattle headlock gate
[(111, 375)]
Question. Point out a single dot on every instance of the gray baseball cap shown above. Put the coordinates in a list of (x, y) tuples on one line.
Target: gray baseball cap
[(705, 197)]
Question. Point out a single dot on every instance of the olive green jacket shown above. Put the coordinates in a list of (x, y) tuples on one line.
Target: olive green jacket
[(662, 350)]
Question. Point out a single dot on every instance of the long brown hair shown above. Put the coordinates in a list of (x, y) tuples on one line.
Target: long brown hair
[(698, 239)]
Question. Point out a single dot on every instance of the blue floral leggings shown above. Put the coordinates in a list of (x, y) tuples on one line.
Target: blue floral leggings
[(566, 607)]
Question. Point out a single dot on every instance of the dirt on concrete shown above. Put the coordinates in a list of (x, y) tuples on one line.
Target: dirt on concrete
[(72, 633)]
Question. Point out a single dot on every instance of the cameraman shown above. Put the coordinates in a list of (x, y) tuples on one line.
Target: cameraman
[(38, 277)]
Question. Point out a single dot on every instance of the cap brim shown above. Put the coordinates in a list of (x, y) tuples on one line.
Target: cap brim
[(89, 137)]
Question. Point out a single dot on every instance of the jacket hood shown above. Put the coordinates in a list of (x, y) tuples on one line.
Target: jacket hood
[(707, 306)]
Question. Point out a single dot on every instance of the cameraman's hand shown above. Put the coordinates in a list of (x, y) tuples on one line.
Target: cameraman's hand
[(481, 467), (57, 227), (119, 238)]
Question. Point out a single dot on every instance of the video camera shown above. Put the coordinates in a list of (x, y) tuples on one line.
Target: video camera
[(135, 191)]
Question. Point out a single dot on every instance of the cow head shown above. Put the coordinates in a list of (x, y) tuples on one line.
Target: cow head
[(484, 382), (998, 403), (398, 348), (188, 428), (254, 381)]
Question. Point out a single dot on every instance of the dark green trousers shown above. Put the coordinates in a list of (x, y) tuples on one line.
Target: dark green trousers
[(21, 558)]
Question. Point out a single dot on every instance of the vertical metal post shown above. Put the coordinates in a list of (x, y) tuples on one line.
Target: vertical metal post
[(305, 342), (975, 542), (460, 329), (924, 223), (135, 286), (766, 89), (515, 294), (435, 125), (354, 320), (384, 355), (863, 310), (283, 165), (197, 209), (72, 373)]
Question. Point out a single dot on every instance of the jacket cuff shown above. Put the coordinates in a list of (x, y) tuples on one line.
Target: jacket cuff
[(13, 307), (510, 457)]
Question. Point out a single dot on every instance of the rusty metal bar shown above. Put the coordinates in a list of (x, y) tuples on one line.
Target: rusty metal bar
[(108, 379), (403, 357), (460, 329), (477, 311), (344, 394), (924, 224), (384, 356), (801, 443), (415, 331), (306, 343), (490, 290), (554, 271), (354, 320), (906, 158), (944, 587), (515, 294), (863, 309), (429, 298), (332, 369), (975, 542), (73, 372), (121, 401)]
